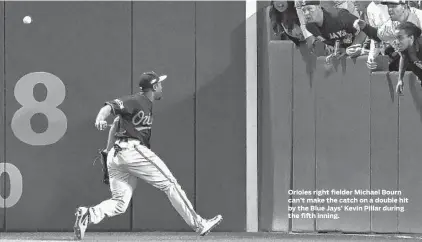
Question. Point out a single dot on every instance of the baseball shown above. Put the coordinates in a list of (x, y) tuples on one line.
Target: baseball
[(27, 20)]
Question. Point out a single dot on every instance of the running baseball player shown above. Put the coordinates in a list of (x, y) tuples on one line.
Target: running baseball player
[(131, 158)]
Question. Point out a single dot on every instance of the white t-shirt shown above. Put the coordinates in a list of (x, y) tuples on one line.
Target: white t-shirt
[(379, 18), (377, 14), (418, 14), (347, 4)]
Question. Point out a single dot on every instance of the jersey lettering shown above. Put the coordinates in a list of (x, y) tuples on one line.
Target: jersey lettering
[(338, 34), (135, 117), (141, 118), (337, 25)]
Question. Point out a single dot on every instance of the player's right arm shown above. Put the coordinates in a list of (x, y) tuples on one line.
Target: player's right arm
[(100, 121), (117, 106)]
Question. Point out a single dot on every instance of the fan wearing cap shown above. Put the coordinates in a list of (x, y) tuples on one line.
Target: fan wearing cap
[(332, 24), (131, 158), (399, 12)]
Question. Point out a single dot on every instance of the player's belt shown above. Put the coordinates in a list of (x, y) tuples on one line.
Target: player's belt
[(124, 143), (142, 128), (123, 139), (117, 149), (128, 140)]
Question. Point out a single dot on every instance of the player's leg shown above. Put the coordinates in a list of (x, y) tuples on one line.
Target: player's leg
[(122, 185), (153, 170)]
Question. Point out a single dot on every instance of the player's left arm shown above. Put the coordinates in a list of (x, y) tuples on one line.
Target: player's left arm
[(104, 153), (111, 134)]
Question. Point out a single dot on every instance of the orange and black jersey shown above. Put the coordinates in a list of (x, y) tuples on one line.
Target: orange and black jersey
[(136, 117)]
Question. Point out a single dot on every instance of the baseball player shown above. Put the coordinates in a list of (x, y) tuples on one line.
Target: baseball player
[(131, 158)]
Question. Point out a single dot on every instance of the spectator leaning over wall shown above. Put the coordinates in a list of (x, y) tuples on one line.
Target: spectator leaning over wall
[(408, 43), (306, 34), (347, 4), (376, 16), (283, 17), (399, 12), (415, 4), (369, 11), (331, 25)]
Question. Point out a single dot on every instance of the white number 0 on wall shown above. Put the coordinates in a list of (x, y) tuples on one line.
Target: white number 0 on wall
[(21, 123), (16, 186)]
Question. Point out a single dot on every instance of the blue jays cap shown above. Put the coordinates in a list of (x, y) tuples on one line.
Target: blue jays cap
[(393, 2), (301, 3), (148, 79)]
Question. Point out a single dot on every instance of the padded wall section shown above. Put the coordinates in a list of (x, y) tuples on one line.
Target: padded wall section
[(410, 136), (384, 146), (59, 71), (220, 112), (167, 46), (343, 138)]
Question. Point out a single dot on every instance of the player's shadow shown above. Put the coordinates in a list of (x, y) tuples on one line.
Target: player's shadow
[(220, 126)]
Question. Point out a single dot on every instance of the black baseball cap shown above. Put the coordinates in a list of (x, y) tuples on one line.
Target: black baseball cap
[(301, 3), (148, 79), (386, 2)]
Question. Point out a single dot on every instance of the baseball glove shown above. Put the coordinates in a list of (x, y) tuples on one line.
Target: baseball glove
[(103, 157)]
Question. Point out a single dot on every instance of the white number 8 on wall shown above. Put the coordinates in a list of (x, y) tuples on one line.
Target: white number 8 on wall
[(21, 123), (57, 121)]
